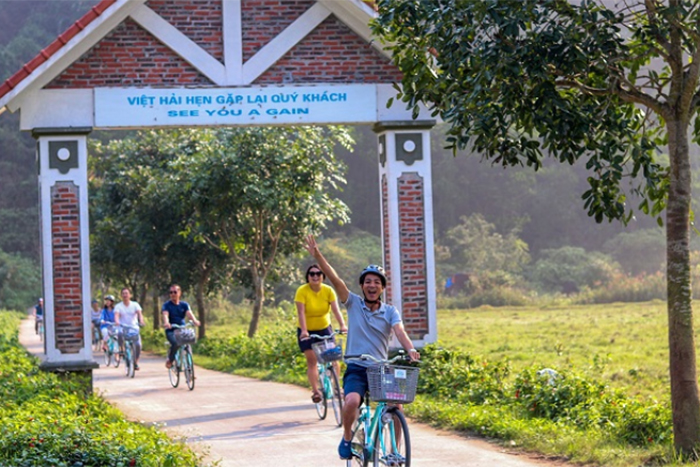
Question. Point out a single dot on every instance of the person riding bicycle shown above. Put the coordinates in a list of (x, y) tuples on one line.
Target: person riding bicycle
[(106, 319), (175, 311), (370, 323), (315, 301), (129, 313), (38, 314)]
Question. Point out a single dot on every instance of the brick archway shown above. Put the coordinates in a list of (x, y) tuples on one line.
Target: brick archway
[(159, 63)]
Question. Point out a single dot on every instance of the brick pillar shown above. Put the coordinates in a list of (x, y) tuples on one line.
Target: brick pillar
[(407, 224), (62, 157)]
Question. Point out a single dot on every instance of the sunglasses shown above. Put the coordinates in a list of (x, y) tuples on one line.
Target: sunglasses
[(315, 273), (172, 292)]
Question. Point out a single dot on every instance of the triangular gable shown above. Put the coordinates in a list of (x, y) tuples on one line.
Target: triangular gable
[(213, 43)]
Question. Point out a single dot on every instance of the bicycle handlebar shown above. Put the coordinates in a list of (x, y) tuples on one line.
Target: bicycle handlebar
[(324, 337), (188, 324), (400, 357)]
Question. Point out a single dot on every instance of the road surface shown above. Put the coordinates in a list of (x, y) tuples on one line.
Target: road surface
[(243, 422)]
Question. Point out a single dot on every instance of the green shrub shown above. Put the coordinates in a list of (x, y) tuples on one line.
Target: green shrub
[(622, 288), (497, 296), (46, 422)]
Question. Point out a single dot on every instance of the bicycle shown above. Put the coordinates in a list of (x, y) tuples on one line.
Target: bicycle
[(113, 353), (131, 336), (327, 352), (40, 328), (185, 337), (96, 337), (381, 434)]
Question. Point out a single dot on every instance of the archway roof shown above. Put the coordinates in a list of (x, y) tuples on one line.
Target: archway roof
[(252, 42)]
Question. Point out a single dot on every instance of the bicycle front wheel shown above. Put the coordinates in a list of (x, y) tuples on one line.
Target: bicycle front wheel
[(116, 355), (189, 368), (393, 444), (129, 360), (322, 406), (174, 370), (360, 457), (337, 400)]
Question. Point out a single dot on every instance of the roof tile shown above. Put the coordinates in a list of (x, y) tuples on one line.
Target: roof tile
[(12, 82)]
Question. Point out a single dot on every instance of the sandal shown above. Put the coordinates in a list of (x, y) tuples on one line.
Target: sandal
[(317, 397)]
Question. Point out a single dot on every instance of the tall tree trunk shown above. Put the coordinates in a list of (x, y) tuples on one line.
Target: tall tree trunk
[(201, 310), (684, 387), (156, 310), (257, 304)]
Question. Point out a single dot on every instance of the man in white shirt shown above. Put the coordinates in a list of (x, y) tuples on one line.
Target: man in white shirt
[(129, 313)]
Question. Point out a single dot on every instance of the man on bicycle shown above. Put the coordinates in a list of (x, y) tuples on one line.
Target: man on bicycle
[(370, 326), (175, 311), (130, 313), (38, 314)]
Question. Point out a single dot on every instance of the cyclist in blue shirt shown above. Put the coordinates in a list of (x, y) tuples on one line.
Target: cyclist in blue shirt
[(106, 319), (371, 324), (38, 314), (175, 311)]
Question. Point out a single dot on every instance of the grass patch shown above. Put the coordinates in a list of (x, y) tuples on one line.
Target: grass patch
[(46, 422), (608, 406)]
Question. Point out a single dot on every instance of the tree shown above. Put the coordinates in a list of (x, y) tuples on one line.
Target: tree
[(473, 245), (138, 218), (256, 192), (518, 79)]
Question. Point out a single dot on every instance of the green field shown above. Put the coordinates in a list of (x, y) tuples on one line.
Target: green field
[(625, 344)]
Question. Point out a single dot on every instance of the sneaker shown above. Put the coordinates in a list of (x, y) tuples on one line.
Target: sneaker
[(136, 367), (168, 364), (344, 450)]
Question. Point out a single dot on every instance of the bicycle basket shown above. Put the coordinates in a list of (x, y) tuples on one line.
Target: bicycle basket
[(113, 331), (396, 384), (185, 336), (131, 334), (328, 351)]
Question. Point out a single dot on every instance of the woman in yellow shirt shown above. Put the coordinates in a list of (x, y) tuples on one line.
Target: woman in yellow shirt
[(315, 301)]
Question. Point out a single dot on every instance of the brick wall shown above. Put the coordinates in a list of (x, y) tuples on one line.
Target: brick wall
[(414, 291), (263, 20), (130, 56), (199, 20), (387, 237), (332, 53), (67, 274)]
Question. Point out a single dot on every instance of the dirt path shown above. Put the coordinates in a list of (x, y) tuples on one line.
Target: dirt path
[(244, 422)]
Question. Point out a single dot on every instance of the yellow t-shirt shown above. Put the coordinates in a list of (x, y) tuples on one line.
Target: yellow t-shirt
[(317, 306)]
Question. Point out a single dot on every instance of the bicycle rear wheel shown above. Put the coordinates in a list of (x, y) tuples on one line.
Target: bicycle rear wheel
[(41, 331), (116, 355), (189, 368), (322, 406), (359, 454), (174, 370), (337, 398), (392, 447)]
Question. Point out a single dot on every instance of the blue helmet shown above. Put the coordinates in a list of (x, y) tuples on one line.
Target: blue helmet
[(374, 269)]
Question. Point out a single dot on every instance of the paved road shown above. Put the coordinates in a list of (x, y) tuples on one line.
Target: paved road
[(243, 422)]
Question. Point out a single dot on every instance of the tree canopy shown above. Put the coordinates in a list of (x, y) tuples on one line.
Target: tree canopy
[(611, 84)]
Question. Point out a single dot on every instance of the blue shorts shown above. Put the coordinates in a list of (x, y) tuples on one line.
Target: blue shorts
[(305, 344), (355, 380)]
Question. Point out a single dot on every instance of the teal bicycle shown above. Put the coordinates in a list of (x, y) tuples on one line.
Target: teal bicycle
[(328, 352), (183, 363), (113, 354), (380, 434), (131, 336)]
